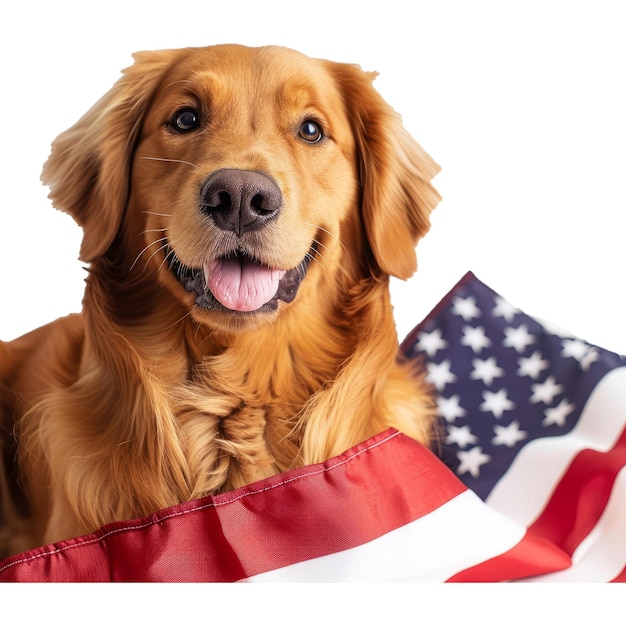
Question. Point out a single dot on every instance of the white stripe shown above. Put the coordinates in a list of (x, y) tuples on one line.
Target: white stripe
[(460, 534), (526, 487), (602, 555)]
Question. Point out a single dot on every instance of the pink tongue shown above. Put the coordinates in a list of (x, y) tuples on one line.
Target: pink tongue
[(240, 284)]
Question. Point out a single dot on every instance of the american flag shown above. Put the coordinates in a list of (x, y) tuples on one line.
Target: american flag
[(534, 424), (527, 483)]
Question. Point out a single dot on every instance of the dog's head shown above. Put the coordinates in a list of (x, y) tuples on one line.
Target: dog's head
[(243, 175)]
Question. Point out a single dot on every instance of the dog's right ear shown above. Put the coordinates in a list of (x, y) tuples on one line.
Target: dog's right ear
[(88, 168)]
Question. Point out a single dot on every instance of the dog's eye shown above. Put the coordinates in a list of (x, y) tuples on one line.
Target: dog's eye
[(311, 131), (185, 120)]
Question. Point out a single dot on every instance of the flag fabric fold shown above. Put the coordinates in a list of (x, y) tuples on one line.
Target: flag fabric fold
[(527, 482)]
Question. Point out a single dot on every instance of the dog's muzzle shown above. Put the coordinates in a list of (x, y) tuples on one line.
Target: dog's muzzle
[(239, 202)]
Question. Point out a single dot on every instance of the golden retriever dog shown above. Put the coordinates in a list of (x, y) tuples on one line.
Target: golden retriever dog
[(243, 210)]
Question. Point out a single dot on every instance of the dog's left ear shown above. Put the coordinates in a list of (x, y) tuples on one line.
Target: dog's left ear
[(88, 168), (395, 172)]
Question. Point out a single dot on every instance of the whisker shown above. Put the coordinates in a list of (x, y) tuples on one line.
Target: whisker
[(147, 158), (319, 243), (330, 234), (163, 239), (316, 255), (164, 261), (171, 204), (159, 214), (157, 251)]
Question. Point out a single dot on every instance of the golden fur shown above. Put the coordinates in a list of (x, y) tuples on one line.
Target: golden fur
[(147, 399)]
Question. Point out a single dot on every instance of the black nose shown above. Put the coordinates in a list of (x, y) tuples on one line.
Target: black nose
[(240, 200)]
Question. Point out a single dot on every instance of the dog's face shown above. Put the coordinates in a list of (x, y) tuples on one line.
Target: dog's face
[(245, 170), (245, 177)]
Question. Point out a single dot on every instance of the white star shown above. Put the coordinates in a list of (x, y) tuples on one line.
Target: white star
[(532, 366), (591, 357), (518, 338), (574, 348), (431, 342), (440, 374), (546, 391), (466, 308), (497, 402), (504, 309), (508, 435), (475, 338), (450, 409), (486, 370), (471, 461), (462, 436), (558, 414)]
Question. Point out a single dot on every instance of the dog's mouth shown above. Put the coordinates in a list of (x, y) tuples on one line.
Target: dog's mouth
[(238, 282)]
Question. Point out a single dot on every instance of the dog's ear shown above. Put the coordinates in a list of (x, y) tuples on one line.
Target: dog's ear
[(88, 168), (395, 173)]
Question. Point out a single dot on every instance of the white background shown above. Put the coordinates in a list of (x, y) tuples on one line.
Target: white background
[(523, 105)]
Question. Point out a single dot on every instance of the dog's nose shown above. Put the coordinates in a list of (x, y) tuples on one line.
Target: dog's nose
[(240, 200)]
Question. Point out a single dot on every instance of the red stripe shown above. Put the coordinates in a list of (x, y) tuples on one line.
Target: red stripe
[(532, 556), (581, 496), (368, 491), (620, 578)]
